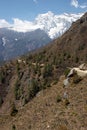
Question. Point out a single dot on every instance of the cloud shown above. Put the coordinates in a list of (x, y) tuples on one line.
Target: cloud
[(35, 1), (4, 23), (23, 25), (53, 25), (83, 6), (19, 25), (76, 4)]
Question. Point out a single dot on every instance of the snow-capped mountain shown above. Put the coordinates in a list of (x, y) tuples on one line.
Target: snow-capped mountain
[(23, 36), (53, 25), (56, 25)]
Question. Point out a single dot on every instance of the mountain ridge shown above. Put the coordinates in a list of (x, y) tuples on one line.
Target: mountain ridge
[(14, 44), (54, 25)]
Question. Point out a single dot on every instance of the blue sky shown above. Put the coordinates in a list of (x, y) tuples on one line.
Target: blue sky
[(29, 9)]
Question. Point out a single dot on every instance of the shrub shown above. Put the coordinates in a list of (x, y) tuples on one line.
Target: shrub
[(82, 46), (13, 127), (33, 88), (48, 85), (66, 72), (77, 59), (1, 100), (17, 90), (58, 99), (68, 56), (36, 69), (47, 70), (62, 127), (55, 82), (67, 102), (45, 83), (76, 79), (25, 101), (18, 69), (2, 77), (14, 111)]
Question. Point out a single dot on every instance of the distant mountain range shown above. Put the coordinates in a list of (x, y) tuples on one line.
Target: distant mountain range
[(24, 36), (53, 25), (13, 44), (56, 25)]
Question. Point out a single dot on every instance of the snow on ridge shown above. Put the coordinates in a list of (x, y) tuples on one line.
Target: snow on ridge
[(4, 40), (4, 23), (53, 25), (56, 25), (23, 26), (16, 39)]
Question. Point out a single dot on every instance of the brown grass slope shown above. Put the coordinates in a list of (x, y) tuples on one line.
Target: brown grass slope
[(28, 97), (46, 112)]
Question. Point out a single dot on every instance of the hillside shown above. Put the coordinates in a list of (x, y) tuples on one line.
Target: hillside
[(14, 44), (31, 87), (50, 111)]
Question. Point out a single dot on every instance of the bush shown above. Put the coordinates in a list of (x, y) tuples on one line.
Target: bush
[(45, 84), (13, 127), (67, 102), (24, 101), (2, 77), (47, 70), (18, 69), (76, 79), (17, 90), (1, 100), (77, 59), (62, 127), (14, 111), (33, 88), (55, 82), (58, 99), (48, 85), (66, 72)]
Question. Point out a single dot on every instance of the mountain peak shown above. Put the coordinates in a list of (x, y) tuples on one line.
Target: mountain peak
[(53, 24), (56, 25)]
